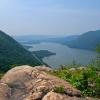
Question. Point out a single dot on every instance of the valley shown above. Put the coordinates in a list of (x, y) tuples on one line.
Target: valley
[(63, 54)]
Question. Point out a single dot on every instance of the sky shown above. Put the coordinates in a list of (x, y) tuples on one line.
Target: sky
[(49, 17)]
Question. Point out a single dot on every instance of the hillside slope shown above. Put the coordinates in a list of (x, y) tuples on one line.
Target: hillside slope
[(88, 40), (12, 53)]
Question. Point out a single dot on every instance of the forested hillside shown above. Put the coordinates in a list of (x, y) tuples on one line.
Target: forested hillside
[(12, 53), (88, 40)]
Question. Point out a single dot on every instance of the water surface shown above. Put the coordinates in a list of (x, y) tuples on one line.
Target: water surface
[(64, 54)]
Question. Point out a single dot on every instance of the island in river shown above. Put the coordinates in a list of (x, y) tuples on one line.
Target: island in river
[(43, 53)]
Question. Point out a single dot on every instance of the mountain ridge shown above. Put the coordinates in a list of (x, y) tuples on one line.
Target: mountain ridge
[(12, 53), (88, 40)]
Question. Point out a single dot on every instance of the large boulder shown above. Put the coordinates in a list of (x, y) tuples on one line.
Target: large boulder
[(5, 92), (28, 83), (18, 74), (58, 96), (43, 68)]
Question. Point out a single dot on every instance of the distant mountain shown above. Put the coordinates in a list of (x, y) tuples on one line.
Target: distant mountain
[(12, 53), (88, 40), (34, 39), (27, 38), (64, 40)]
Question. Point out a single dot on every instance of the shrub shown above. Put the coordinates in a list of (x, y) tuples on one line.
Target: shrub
[(59, 89), (86, 80), (1, 74)]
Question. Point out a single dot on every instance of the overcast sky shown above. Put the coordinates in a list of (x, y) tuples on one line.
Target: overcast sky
[(53, 17)]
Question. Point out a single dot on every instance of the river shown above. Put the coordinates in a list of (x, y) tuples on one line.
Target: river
[(64, 54)]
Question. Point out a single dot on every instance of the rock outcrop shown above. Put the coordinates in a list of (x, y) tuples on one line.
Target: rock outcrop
[(33, 83)]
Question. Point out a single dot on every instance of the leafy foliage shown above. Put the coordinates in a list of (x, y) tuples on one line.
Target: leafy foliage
[(1, 74), (98, 48), (59, 89), (85, 79)]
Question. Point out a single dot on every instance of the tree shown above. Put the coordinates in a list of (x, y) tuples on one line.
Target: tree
[(98, 48), (98, 57)]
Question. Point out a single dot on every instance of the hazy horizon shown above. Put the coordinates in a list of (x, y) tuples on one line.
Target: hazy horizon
[(49, 17)]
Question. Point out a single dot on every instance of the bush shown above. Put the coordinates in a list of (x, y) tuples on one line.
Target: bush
[(59, 89), (86, 80), (1, 74)]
